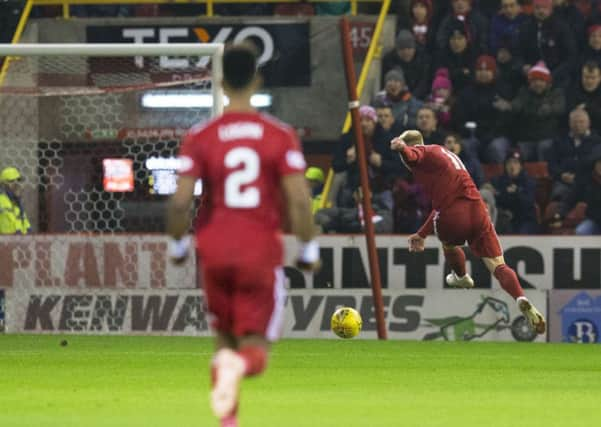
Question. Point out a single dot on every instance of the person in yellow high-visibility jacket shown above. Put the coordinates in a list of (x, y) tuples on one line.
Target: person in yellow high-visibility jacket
[(315, 178), (13, 219)]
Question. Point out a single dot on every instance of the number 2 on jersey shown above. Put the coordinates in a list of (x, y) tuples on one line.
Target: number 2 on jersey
[(456, 160), (235, 196)]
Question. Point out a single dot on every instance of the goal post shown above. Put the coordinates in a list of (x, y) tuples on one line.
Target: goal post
[(94, 131), (65, 108), (215, 50)]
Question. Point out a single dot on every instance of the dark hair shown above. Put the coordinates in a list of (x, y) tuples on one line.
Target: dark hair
[(239, 65), (591, 66)]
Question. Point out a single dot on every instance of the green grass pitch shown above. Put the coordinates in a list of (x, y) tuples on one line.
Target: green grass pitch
[(163, 381)]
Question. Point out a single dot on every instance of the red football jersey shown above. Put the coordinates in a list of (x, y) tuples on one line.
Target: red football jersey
[(441, 173), (241, 159)]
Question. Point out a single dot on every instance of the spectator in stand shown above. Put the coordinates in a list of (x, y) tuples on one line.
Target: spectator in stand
[(568, 13), (396, 94), (315, 179), (586, 94), (441, 98), (428, 126), (571, 154), (13, 218), (488, 8), (505, 28), (414, 62), (510, 76), (538, 108), (476, 104), (474, 26), (454, 144), (457, 56), (100, 11), (515, 194), (349, 218), (418, 21), (383, 163), (386, 119), (545, 37), (592, 51), (588, 190)]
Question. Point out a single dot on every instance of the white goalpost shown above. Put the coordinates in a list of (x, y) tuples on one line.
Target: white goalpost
[(97, 160)]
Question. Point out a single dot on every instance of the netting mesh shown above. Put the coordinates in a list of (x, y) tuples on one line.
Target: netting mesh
[(60, 116)]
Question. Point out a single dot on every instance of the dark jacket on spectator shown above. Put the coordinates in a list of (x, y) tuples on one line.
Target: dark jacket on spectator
[(570, 14), (435, 138), (591, 100), (558, 48), (537, 116), (460, 66), (587, 189), (473, 166), (477, 30), (417, 72), (475, 104), (566, 156), (588, 54), (505, 33), (381, 178), (510, 77), (521, 203)]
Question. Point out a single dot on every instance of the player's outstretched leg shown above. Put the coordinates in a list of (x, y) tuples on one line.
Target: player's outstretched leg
[(458, 278), (510, 283)]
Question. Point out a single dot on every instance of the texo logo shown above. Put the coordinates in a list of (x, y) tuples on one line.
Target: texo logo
[(167, 35)]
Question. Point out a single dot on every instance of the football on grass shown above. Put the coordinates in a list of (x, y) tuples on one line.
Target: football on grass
[(346, 322)]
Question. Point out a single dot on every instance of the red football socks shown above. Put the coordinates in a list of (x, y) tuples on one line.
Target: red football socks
[(456, 259), (509, 281), (255, 359)]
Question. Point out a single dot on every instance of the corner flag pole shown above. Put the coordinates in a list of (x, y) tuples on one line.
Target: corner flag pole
[(374, 266)]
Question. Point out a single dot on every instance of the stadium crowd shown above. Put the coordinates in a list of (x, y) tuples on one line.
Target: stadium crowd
[(513, 89)]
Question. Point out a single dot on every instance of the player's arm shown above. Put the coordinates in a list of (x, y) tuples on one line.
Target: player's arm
[(298, 202), (178, 208), (178, 218), (417, 241), (404, 145)]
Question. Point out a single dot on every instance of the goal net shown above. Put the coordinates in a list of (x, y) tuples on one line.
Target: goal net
[(94, 131)]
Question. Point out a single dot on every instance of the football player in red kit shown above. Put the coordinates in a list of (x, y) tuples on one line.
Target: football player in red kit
[(458, 215), (252, 170)]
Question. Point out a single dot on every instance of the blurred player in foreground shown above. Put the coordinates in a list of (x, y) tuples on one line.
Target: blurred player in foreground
[(252, 167), (458, 215)]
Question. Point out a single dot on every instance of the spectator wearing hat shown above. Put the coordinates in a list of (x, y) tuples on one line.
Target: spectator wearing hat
[(315, 179), (419, 22), (396, 94), (383, 163), (13, 219), (587, 189), (545, 37), (441, 98), (476, 107), (586, 94), (538, 109), (572, 153), (505, 28), (515, 195), (458, 56), (474, 25), (414, 62)]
